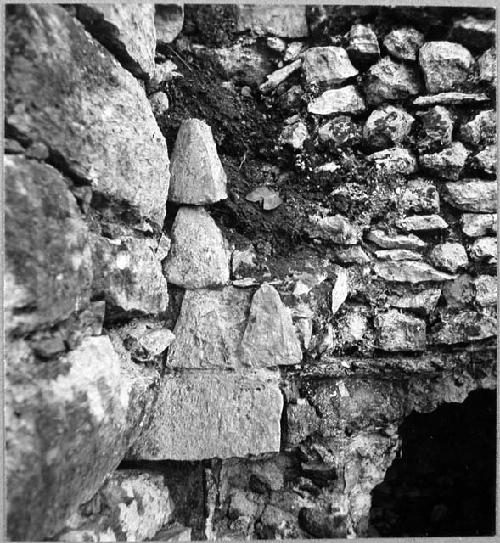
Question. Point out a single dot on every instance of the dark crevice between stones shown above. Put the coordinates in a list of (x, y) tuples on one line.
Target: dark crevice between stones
[(443, 482)]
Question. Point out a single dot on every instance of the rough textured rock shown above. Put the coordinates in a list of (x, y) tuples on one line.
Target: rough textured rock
[(404, 43), (487, 63), (168, 21), (343, 100), (449, 256), (128, 275), (486, 287), (67, 431), (464, 326), (48, 259), (198, 257), (279, 76), (397, 331), (159, 103), (438, 129), (327, 66), (387, 127), (408, 271), (448, 163), (84, 89), (340, 290), (286, 21), (128, 31), (473, 195), (424, 301), (388, 80), (144, 339), (340, 131), (244, 64), (132, 505), (481, 129), (230, 414), (420, 196), (294, 135), (335, 228), (484, 249), (475, 225), (363, 45), (486, 160), (474, 33), (397, 254), (419, 223), (397, 241), (451, 98), (445, 65), (197, 175), (394, 161)]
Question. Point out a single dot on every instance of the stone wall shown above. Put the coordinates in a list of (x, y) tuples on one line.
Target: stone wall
[(224, 343)]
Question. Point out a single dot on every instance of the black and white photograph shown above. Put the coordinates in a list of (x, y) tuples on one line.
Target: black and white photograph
[(250, 271)]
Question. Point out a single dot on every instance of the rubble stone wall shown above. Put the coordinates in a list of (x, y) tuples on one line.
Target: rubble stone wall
[(242, 245)]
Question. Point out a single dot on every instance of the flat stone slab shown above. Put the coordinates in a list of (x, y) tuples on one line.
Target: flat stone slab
[(213, 414), (284, 21), (473, 195)]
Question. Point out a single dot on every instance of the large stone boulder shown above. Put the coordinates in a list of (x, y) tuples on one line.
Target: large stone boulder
[(213, 414), (67, 91), (127, 30), (68, 424), (48, 258), (197, 175), (473, 195)]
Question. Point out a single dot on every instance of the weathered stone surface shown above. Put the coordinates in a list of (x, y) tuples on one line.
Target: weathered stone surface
[(481, 129), (397, 331), (486, 160), (269, 338), (390, 81), (474, 33), (294, 134), (197, 175), (486, 287), (335, 228), (133, 506), (473, 195), (302, 421), (397, 254), (279, 76), (438, 129), (484, 249), (276, 44), (48, 259), (327, 66), (144, 339), (343, 100), (340, 131), (245, 64), (284, 21), (159, 103), (128, 31), (68, 105), (475, 225), (394, 161), (445, 65), (269, 198), (449, 256), (169, 19), (404, 43), (67, 431), (387, 127), (293, 50), (128, 274), (340, 290), (487, 63), (322, 524), (408, 271), (363, 46), (352, 255), (465, 326), (450, 98), (163, 73), (229, 414), (419, 223), (459, 292), (448, 163), (198, 257), (424, 301), (396, 241), (419, 195)]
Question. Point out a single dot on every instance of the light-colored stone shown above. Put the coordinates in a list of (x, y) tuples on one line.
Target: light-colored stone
[(484, 249), (459, 292), (144, 339), (395, 241), (327, 66), (169, 19), (94, 114), (279, 76), (293, 50), (159, 103), (394, 161), (487, 63), (475, 225), (486, 160), (447, 163), (390, 81), (128, 274), (363, 45), (163, 74), (266, 196), (243, 63), (198, 257), (340, 131), (419, 223), (451, 98), (343, 100), (397, 254), (481, 129), (437, 125), (294, 135), (284, 21), (404, 43), (445, 65), (474, 33), (48, 258), (230, 415), (486, 287), (409, 271), (126, 30), (424, 301), (197, 175), (449, 256), (420, 196), (340, 290), (276, 44), (335, 228), (465, 326), (397, 331), (352, 255), (387, 127), (473, 195)]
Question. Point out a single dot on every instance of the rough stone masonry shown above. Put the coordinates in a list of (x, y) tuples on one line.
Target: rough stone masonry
[(242, 245)]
